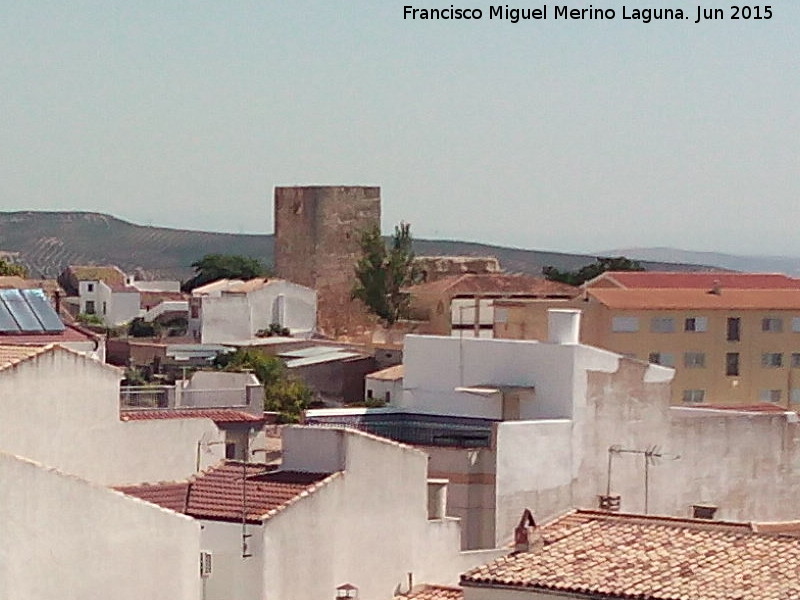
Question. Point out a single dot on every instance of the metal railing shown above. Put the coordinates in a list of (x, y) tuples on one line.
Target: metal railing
[(142, 396)]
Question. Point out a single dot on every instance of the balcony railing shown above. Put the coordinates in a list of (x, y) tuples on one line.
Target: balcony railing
[(144, 396)]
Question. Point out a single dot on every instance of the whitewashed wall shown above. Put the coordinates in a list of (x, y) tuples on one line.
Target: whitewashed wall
[(62, 409), (61, 537)]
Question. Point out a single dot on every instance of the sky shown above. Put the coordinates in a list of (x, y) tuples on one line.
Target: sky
[(564, 135)]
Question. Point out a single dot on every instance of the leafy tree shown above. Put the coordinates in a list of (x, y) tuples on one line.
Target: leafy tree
[(283, 394), (587, 272), (224, 266), (382, 273), (141, 328), (9, 268)]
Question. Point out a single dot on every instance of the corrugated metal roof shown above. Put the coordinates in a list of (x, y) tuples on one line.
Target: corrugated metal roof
[(323, 358), (311, 351)]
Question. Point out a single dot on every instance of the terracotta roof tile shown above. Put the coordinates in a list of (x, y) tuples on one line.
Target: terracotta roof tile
[(679, 299), (651, 558), (106, 273), (71, 333), (701, 280), (218, 415), (389, 374), (11, 355), (433, 592), (217, 493)]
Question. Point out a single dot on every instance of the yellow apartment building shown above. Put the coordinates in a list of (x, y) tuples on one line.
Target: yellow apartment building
[(728, 346)]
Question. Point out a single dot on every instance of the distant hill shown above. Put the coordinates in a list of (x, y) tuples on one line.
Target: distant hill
[(754, 264), (46, 242)]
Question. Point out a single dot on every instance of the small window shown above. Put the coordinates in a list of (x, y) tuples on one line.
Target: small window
[(89, 287), (732, 364), (90, 307), (794, 396), (696, 324), (796, 324), (769, 396), (105, 307), (230, 450), (734, 329), (694, 360), (694, 396), (662, 325), (625, 324), (665, 359), (796, 360), (369, 394), (772, 324), (388, 397), (772, 359)]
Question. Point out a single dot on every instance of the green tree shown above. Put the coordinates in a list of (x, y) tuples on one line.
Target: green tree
[(383, 274), (9, 268), (224, 266), (587, 272), (283, 394)]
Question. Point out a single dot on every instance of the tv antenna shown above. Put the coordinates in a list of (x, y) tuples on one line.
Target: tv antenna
[(652, 455)]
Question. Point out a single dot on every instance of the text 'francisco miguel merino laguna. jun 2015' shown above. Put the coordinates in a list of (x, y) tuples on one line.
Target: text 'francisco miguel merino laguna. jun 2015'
[(565, 12)]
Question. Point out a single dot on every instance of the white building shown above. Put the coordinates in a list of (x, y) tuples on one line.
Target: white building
[(523, 424), (235, 310), (344, 508), (61, 409), (63, 537)]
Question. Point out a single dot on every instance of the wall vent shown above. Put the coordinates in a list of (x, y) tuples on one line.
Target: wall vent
[(205, 564)]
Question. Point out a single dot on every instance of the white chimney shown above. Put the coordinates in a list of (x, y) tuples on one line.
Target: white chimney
[(564, 325)]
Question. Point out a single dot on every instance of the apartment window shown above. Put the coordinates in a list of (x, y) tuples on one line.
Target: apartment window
[(694, 360), (89, 287), (625, 324), (796, 324), (772, 359), (732, 364), (694, 396), (796, 360), (662, 325), (664, 359), (90, 307), (104, 307), (769, 395), (697, 324), (772, 324), (734, 329), (794, 396)]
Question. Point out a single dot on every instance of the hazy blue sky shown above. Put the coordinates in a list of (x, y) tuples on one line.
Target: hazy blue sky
[(561, 135)]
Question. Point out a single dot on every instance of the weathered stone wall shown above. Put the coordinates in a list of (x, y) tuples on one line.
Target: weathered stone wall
[(434, 268), (316, 244)]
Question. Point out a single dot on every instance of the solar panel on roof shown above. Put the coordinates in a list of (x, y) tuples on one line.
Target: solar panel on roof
[(7, 322), (21, 311), (43, 310)]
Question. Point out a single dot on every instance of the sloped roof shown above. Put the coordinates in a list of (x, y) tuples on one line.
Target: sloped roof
[(218, 415), (216, 494), (651, 558), (698, 280), (433, 592), (11, 355), (388, 374), (495, 283), (71, 333), (110, 274), (679, 299)]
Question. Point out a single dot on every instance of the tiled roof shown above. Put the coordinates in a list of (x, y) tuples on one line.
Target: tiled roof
[(218, 415), (495, 283), (389, 374), (71, 333), (433, 592), (109, 274), (698, 280), (11, 355), (680, 299), (217, 493), (651, 558)]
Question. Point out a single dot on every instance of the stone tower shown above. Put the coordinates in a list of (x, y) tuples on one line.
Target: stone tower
[(317, 245)]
